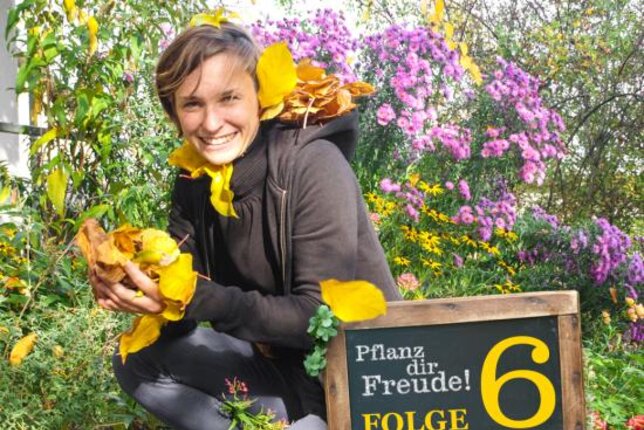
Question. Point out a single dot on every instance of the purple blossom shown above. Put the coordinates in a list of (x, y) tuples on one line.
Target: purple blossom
[(385, 114), (609, 250), (464, 189), (636, 270), (457, 260), (387, 186), (517, 93), (128, 77), (540, 214)]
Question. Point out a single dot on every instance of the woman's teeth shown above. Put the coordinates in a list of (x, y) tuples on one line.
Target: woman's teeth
[(218, 140)]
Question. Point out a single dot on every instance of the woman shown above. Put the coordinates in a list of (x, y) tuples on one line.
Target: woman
[(297, 218)]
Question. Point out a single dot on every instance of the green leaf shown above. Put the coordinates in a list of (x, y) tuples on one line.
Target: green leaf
[(43, 140)]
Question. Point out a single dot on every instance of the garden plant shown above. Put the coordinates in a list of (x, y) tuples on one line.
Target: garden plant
[(454, 156)]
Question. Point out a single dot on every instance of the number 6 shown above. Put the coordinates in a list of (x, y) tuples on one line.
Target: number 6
[(491, 385)]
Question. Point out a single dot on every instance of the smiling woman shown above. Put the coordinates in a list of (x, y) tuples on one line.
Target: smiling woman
[(217, 109), (268, 210)]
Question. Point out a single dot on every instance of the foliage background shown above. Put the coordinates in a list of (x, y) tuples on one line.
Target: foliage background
[(88, 68)]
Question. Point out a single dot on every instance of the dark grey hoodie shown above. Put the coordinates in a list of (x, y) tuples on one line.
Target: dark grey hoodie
[(301, 220)]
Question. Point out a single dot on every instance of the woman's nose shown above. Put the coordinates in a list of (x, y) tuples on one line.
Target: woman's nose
[(211, 121)]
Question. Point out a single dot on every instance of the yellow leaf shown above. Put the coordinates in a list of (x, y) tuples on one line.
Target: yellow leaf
[(449, 30), (160, 244), (271, 111), (57, 188), (177, 282), (439, 10), (308, 72), (353, 300), (221, 196), (5, 193), (215, 19), (145, 331), (186, 157), (22, 348), (464, 48), (70, 9), (276, 74), (92, 27), (43, 140), (58, 351)]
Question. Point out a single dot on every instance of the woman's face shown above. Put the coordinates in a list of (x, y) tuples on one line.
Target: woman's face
[(218, 110)]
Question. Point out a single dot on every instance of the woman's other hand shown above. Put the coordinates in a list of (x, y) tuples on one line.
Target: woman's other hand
[(118, 297)]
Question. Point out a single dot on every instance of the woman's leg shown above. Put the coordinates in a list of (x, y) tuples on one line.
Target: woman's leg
[(181, 379)]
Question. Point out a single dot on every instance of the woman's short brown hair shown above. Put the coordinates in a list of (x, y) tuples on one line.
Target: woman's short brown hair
[(191, 48)]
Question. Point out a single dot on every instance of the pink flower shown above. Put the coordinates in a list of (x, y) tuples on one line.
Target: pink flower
[(449, 185), (635, 423), (464, 189), (598, 423), (407, 282), (385, 114)]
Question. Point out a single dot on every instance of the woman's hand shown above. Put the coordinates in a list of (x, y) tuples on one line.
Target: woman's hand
[(118, 297)]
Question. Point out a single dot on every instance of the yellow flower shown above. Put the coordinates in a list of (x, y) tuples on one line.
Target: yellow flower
[(431, 264), (433, 190), (606, 317), (402, 261), (277, 77), (353, 300)]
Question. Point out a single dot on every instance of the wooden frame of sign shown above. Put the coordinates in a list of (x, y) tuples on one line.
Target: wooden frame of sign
[(560, 308)]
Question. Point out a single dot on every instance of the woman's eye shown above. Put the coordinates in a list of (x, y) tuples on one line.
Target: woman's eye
[(190, 104), (229, 98)]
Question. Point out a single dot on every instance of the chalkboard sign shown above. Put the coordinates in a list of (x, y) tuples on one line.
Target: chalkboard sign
[(494, 362)]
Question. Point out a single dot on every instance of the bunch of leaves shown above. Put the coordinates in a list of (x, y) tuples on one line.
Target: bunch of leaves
[(319, 97), (237, 405), (304, 93), (345, 301), (158, 256), (88, 69)]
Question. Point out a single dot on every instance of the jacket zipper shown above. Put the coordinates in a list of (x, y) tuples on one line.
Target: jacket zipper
[(283, 239)]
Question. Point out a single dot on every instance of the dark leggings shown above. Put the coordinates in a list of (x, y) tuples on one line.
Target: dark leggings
[(181, 380)]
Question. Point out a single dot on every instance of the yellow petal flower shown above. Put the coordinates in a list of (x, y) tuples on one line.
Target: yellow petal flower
[(353, 300), (22, 348), (177, 281), (276, 74), (144, 332)]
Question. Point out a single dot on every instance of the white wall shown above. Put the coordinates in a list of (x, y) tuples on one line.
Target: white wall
[(12, 109)]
